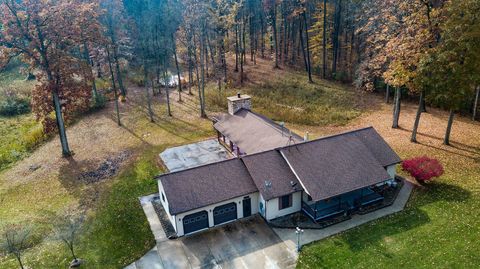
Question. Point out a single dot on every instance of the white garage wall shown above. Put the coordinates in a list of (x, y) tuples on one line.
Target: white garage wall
[(209, 209), (392, 170), (165, 203), (274, 212)]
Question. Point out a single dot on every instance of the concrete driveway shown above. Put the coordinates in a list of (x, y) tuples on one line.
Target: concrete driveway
[(248, 243), (192, 155)]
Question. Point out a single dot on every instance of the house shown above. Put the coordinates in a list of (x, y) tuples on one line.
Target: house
[(277, 176), (243, 131)]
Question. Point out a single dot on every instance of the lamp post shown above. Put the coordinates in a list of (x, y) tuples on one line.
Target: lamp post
[(299, 232)]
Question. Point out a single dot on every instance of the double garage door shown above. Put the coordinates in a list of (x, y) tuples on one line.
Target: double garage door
[(198, 221)]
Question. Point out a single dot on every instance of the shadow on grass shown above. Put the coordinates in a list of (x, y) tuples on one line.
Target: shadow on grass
[(375, 233), (441, 192)]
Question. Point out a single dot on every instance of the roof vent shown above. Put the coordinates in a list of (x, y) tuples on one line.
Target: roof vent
[(239, 95), (268, 184)]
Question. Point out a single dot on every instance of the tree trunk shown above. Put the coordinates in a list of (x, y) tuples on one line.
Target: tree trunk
[(336, 26), (274, 25), (324, 74), (424, 105), (147, 91), (475, 103), (114, 87), (202, 113), (446, 141), (387, 94), (396, 114), (236, 48), (202, 63), (90, 62), (242, 53), (119, 75), (262, 43), (303, 48), (309, 69), (417, 118), (178, 69), (59, 117), (70, 246), (19, 259)]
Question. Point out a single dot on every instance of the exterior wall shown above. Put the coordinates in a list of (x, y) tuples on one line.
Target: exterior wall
[(235, 104), (305, 199), (392, 170), (273, 211), (178, 222), (165, 203)]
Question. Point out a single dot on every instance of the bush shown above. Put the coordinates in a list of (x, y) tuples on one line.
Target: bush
[(14, 105), (98, 101), (423, 169), (34, 137)]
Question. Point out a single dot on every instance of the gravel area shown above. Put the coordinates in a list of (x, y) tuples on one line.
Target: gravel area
[(166, 224)]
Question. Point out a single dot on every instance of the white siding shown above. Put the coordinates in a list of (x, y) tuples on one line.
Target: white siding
[(254, 205), (165, 203), (392, 170), (274, 212)]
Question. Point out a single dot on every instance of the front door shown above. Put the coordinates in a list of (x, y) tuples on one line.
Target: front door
[(247, 207)]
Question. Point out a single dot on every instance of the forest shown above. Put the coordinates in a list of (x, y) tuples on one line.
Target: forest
[(159, 69), (422, 48)]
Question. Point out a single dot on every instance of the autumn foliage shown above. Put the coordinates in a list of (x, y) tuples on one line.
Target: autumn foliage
[(423, 168)]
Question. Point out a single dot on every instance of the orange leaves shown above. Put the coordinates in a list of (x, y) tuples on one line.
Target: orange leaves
[(47, 34)]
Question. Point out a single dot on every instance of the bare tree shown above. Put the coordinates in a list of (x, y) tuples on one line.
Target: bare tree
[(67, 228), (15, 240)]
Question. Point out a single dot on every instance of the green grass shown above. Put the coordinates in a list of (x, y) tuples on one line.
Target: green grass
[(19, 135), (117, 231), (439, 228), (292, 99)]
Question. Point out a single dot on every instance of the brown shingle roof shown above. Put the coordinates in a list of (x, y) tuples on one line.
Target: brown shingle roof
[(205, 185), (270, 166), (342, 163), (253, 132), (326, 167)]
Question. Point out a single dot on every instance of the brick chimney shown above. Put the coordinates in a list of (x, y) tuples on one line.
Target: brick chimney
[(237, 102)]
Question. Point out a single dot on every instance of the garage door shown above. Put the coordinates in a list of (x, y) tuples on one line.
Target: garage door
[(195, 222), (224, 213)]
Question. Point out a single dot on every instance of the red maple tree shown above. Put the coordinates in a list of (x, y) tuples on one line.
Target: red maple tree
[(423, 169)]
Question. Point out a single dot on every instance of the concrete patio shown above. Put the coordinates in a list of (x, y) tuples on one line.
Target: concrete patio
[(192, 155)]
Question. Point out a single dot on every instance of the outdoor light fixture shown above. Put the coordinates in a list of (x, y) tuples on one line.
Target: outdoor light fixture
[(299, 232)]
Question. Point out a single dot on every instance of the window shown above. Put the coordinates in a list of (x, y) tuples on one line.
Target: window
[(285, 202), (163, 197)]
